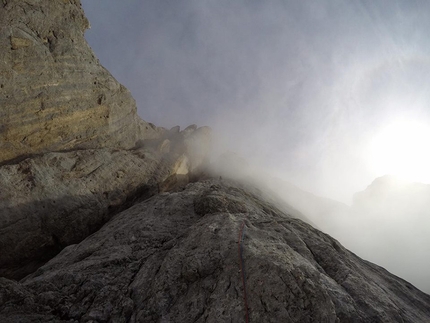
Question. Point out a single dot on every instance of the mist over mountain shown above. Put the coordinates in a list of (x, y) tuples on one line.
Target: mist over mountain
[(389, 222), (300, 88), (105, 217)]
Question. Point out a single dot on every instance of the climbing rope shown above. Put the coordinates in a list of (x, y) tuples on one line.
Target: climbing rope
[(242, 267)]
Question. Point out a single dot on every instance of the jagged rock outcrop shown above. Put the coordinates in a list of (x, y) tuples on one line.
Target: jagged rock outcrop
[(174, 258), (72, 149), (54, 94), (56, 199)]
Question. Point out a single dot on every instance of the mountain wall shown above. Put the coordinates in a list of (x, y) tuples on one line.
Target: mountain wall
[(50, 201), (54, 94), (107, 218), (73, 151)]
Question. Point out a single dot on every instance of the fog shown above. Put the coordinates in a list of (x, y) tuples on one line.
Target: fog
[(300, 89)]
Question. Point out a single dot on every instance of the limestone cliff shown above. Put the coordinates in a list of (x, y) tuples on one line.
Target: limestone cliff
[(54, 94), (67, 127)]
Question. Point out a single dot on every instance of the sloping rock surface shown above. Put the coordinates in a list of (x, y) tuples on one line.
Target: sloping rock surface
[(54, 94), (174, 258), (59, 198), (319, 211)]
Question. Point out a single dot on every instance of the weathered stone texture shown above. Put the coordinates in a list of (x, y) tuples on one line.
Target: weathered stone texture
[(66, 125), (174, 258), (102, 195), (56, 199), (54, 94)]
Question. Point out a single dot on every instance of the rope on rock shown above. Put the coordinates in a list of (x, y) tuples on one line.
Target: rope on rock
[(242, 267)]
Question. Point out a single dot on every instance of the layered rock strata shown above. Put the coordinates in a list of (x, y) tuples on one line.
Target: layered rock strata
[(54, 94), (72, 149)]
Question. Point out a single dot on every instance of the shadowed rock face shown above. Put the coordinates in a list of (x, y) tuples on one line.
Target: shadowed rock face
[(56, 199), (54, 94), (174, 258)]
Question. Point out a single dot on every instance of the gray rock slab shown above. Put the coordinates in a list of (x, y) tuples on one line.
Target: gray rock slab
[(174, 258), (56, 199)]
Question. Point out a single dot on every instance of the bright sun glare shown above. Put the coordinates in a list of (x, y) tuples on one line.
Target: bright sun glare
[(402, 149)]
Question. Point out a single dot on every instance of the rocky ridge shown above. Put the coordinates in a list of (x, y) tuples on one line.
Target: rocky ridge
[(107, 218), (174, 258)]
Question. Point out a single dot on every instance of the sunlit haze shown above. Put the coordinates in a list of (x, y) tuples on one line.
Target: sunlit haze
[(325, 94), (402, 149), (302, 88)]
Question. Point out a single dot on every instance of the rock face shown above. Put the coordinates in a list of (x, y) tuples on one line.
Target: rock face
[(133, 229), (54, 94), (59, 198), (66, 125), (174, 258)]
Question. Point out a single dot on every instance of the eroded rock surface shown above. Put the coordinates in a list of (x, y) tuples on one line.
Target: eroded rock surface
[(59, 198), (73, 151), (54, 94), (174, 258), (102, 194)]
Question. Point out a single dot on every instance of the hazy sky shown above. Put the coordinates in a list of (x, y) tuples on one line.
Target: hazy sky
[(306, 89)]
